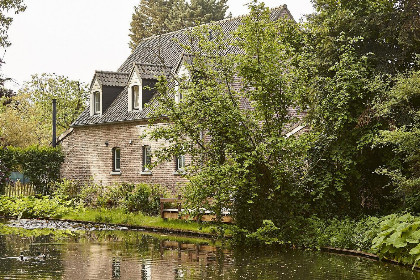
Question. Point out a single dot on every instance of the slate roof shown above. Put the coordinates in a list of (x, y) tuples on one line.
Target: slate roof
[(113, 79), (157, 54), (150, 71)]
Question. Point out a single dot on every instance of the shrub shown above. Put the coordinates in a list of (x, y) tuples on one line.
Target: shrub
[(4, 176), (31, 207), (66, 188), (130, 197), (268, 233), (92, 195), (144, 198), (399, 238), (40, 164)]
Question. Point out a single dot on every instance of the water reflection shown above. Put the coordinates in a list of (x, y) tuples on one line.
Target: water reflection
[(137, 255)]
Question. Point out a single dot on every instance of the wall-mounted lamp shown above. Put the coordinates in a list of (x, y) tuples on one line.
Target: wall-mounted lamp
[(106, 143), (130, 142)]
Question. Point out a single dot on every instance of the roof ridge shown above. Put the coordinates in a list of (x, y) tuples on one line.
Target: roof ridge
[(282, 7), (111, 72)]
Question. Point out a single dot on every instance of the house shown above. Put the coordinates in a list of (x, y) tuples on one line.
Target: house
[(104, 144)]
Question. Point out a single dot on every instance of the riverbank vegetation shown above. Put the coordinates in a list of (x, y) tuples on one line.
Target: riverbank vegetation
[(349, 78)]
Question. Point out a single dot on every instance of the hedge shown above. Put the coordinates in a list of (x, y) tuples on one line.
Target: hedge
[(40, 164)]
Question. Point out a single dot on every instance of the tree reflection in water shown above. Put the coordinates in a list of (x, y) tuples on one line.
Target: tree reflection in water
[(139, 255)]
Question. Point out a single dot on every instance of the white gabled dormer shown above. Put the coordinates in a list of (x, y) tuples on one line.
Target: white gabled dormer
[(135, 92), (96, 99), (182, 74)]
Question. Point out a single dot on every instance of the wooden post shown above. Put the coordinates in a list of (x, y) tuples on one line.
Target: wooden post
[(179, 206), (161, 207)]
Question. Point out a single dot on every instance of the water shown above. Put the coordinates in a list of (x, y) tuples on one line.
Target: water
[(122, 254)]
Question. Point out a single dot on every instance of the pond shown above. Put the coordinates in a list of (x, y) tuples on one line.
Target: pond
[(89, 252)]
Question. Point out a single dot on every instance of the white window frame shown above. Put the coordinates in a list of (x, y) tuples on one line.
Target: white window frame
[(135, 80), (96, 103), (133, 97), (146, 149), (183, 73), (180, 163), (116, 159)]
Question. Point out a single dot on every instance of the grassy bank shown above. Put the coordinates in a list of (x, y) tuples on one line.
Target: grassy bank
[(394, 237), (121, 217), (53, 207)]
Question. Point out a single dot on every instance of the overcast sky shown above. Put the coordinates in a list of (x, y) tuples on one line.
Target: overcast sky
[(75, 38)]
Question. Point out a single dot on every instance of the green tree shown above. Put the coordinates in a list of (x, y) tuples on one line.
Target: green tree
[(7, 6), (353, 49), (32, 108), (71, 97), (236, 137), (155, 17), (401, 109)]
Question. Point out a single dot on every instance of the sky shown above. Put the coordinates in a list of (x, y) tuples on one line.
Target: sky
[(75, 38)]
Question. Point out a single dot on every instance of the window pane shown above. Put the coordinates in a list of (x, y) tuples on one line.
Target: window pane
[(117, 159), (97, 102), (147, 158), (180, 162), (136, 97)]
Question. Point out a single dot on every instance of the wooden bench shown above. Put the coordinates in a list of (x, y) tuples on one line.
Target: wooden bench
[(176, 213)]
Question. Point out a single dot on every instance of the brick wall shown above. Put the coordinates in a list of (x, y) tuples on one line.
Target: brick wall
[(87, 157)]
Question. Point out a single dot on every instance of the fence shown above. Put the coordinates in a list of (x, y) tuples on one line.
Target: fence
[(19, 189)]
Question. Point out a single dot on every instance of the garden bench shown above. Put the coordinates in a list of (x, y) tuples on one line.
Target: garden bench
[(177, 213)]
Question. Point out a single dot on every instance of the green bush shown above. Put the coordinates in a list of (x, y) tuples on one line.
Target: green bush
[(32, 207), (399, 238), (267, 234), (40, 164), (144, 198), (130, 197), (4, 176), (66, 188)]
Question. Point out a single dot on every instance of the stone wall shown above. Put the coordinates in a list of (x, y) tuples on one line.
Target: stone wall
[(88, 155)]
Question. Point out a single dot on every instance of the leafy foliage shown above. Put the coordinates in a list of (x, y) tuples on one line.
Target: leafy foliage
[(6, 7), (130, 197), (236, 135), (399, 239), (32, 107), (71, 97), (400, 107), (155, 17), (388, 31), (31, 207), (4, 178), (40, 164), (5, 20), (352, 50)]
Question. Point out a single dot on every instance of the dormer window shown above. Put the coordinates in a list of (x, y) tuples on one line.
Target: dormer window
[(183, 74), (178, 94), (97, 102), (135, 91), (141, 86)]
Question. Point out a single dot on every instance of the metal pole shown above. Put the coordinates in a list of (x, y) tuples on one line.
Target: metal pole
[(54, 122)]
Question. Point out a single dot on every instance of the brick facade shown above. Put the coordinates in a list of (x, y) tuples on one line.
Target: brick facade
[(88, 155)]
